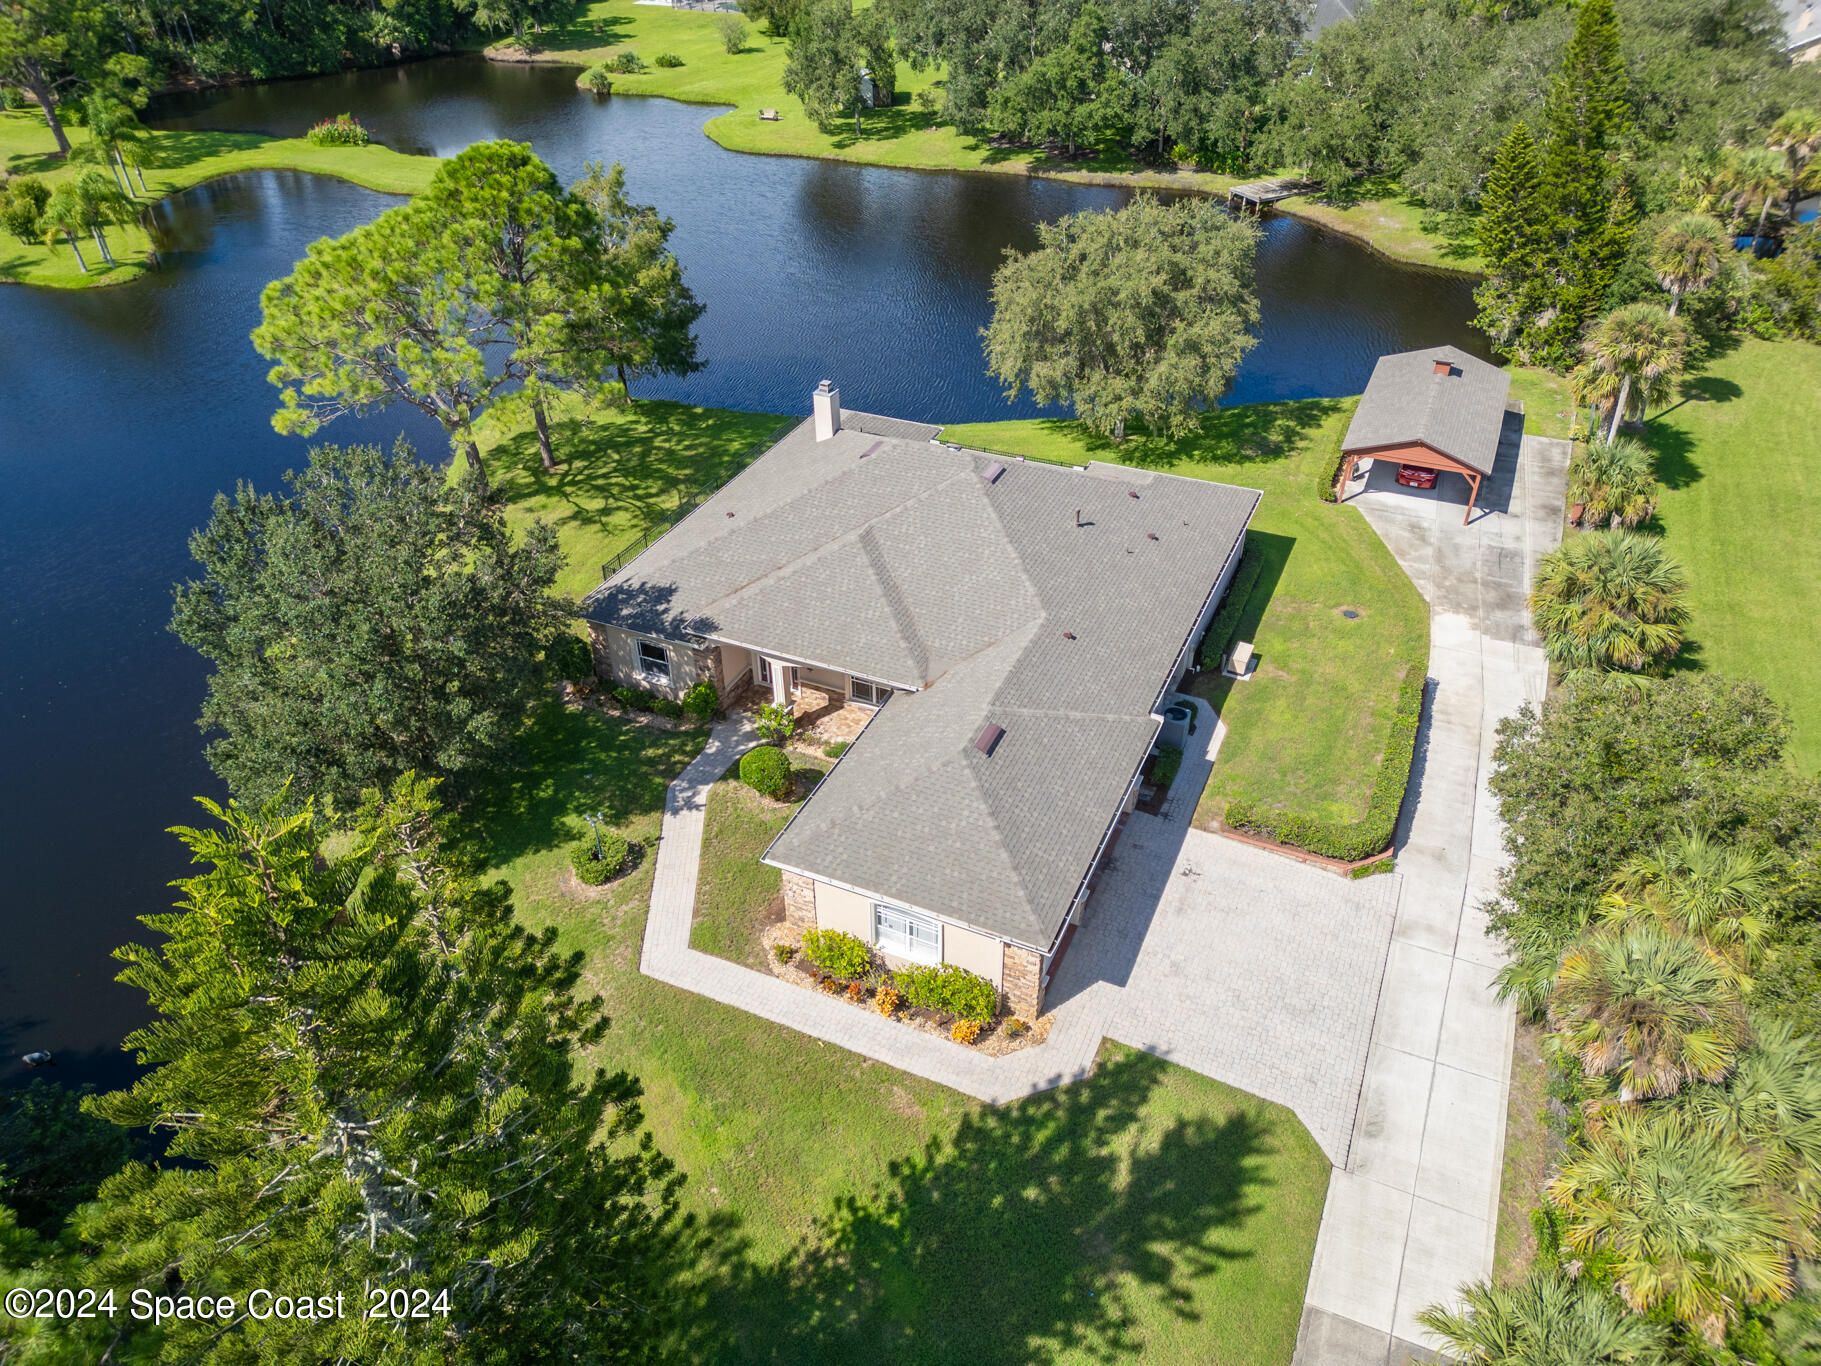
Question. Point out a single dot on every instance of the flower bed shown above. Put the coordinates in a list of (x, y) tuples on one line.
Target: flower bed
[(889, 995)]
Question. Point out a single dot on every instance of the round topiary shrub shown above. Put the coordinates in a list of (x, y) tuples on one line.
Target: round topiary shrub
[(595, 871), (766, 770)]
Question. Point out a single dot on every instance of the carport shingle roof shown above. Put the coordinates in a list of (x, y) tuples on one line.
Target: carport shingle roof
[(899, 560), (1407, 402)]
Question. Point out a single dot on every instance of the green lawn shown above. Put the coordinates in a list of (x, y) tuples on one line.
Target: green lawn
[(1306, 733), (1736, 454), (187, 158), (737, 896), (848, 1212), (621, 470)]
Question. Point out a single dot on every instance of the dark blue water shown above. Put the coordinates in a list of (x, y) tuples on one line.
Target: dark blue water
[(123, 411)]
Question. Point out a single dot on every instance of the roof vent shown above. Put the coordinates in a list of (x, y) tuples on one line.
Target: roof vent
[(988, 737), (992, 472)]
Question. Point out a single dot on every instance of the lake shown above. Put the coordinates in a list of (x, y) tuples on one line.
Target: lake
[(124, 410)]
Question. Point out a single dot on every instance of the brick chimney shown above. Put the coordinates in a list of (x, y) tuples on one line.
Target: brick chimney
[(826, 402)]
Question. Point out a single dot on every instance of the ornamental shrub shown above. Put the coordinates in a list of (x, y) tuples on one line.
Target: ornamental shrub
[(1013, 1027), (965, 1031), (598, 79), (594, 871), (1327, 475), (626, 62), (625, 696), (783, 952), (887, 1001), (344, 130), (836, 749), (667, 706), (667, 60), (703, 700), (733, 32), (570, 658), (838, 952), (22, 201), (775, 724), (949, 988), (1169, 762), (766, 770), (1225, 625), (1371, 833), (856, 991)]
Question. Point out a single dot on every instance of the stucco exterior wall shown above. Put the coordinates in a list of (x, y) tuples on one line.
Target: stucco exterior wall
[(978, 953), (616, 658), (839, 909), (825, 679)]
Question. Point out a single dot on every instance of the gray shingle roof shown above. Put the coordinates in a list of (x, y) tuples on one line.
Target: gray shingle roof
[(898, 560), (1459, 414)]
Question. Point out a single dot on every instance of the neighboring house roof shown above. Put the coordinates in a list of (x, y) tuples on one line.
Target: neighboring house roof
[(899, 560), (1409, 400), (1325, 12), (1801, 23)]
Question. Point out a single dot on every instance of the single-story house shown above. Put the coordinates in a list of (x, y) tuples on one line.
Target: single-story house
[(1017, 627), (1438, 409)]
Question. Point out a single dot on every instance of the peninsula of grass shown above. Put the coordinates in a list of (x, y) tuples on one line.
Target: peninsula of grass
[(1735, 454), (178, 160), (1307, 732), (737, 897), (846, 1211), (906, 135)]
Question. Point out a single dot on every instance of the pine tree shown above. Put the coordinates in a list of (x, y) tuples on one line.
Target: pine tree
[(1517, 244), (366, 1067), (1588, 118)]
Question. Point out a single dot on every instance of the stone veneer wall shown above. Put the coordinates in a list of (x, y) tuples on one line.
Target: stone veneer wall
[(799, 902), (1022, 982)]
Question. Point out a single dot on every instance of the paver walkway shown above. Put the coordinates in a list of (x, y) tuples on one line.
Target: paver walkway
[(1226, 959), (1414, 1213)]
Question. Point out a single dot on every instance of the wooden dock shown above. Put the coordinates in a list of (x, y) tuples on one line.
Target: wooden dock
[(1259, 193)]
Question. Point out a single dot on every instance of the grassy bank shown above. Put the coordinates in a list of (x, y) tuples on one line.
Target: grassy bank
[(1306, 733), (850, 1212), (905, 135), (1735, 454), (184, 159)]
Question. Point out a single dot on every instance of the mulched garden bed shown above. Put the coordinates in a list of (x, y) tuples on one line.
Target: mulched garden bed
[(576, 697), (992, 1041)]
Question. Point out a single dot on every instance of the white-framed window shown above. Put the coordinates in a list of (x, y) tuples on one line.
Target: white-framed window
[(654, 660), (907, 934), (866, 691), (764, 671)]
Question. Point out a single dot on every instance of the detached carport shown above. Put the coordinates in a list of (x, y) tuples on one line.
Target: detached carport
[(1438, 409)]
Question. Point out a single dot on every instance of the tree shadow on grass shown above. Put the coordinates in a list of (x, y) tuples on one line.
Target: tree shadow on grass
[(1032, 1232), (567, 764), (628, 469), (1246, 434), (1672, 452)]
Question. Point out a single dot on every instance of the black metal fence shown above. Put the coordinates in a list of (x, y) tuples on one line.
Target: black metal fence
[(686, 504)]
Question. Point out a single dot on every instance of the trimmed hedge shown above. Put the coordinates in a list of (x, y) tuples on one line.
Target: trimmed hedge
[(1370, 834), (766, 770), (1328, 474), (595, 871), (666, 706), (838, 952), (1168, 765), (949, 988), (1225, 625)]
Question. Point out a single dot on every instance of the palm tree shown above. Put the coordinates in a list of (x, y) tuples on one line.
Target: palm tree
[(1649, 1006), (1681, 1214), (1614, 481), (1771, 1109), (1798, 136), (1609, 600), (1687, 256), (102, 204), (1700, 886), (112, 129), (1633, 355), (1545, 1320), (65, 213), (1754, 175)]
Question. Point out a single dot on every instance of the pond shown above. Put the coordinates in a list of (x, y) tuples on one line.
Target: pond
[(123, 411)]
